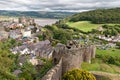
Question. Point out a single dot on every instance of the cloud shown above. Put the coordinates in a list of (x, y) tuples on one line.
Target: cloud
[(57, 5)]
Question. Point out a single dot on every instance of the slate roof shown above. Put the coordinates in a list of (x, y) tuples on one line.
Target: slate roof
[(42, 49)]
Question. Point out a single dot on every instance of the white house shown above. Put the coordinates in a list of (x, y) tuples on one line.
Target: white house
[(25, 51), (26, 33)]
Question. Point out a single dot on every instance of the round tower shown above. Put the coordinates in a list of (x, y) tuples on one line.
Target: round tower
[(72, 55)]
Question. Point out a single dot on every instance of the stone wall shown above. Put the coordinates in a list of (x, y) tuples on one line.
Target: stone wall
[(55, 73), (66, 57)]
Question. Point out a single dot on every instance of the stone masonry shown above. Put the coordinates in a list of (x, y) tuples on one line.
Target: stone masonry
[(72, 55)]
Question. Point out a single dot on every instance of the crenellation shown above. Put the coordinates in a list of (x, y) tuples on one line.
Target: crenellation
[(70, 56)]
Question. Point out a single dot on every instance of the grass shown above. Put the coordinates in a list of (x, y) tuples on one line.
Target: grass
[(116, 68), (101, 67), (111, 52), (98, 64), (91, 67), (106, 68), (85, 25)]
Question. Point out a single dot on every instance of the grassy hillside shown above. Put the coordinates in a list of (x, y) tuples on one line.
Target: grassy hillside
[(98, 16), (112, 52), (106, 61), (101, 67), (85, 25)]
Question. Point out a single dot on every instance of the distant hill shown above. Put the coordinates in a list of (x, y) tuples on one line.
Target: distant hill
[(98, 16), (37, 14)]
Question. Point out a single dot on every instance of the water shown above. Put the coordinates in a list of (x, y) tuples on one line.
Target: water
[(43, 22)]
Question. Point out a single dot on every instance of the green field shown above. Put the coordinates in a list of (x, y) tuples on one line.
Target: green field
[(85, 25), (111, 52), (101, 67), (98, 64)]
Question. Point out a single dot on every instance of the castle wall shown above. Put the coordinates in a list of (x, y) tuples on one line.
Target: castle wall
[(57, 53), (66, 58), (73, 55), (55, 73)]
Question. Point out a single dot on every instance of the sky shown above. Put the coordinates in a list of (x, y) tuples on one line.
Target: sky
[(57, 5)]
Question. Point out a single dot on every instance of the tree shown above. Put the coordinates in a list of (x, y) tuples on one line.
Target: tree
[(28, 71), (114, 32), (98, 16), (118, 44), (77, 74)]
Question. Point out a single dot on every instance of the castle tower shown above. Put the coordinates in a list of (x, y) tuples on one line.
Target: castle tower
[(72, 58), (72, 55)]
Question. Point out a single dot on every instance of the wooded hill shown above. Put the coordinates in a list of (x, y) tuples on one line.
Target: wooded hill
[(36, 14), (98, 16)]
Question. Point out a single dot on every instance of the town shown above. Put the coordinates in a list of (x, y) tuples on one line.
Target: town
[(31, 48), (25, 31), (65, 41)]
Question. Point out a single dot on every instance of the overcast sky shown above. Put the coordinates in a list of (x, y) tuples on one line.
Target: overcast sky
[(57, 5)]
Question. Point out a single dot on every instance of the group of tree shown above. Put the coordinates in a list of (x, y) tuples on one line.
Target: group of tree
[(118, 44), (98, 16), (115, 60), (111, 30), (7, 60), (108, 30), (55, 33), (9, 63)]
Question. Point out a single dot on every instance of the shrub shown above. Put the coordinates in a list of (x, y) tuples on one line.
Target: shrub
[(109, 59), (77, 74)]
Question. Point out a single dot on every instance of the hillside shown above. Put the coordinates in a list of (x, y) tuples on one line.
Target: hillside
[(83, 25), (98, 16), (86, 26), (36, 14)]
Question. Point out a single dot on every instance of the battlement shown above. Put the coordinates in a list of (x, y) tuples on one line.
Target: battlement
[(66, 57), (73, 55)]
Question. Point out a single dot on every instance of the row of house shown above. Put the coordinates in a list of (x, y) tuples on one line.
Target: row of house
[(11, 25), (26, 20), (41, 49), (23, 28), (14, 26), (16, 34), (110, 39)]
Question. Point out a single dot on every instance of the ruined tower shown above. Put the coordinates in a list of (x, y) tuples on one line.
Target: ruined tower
[(73, 54), (66, 57)]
